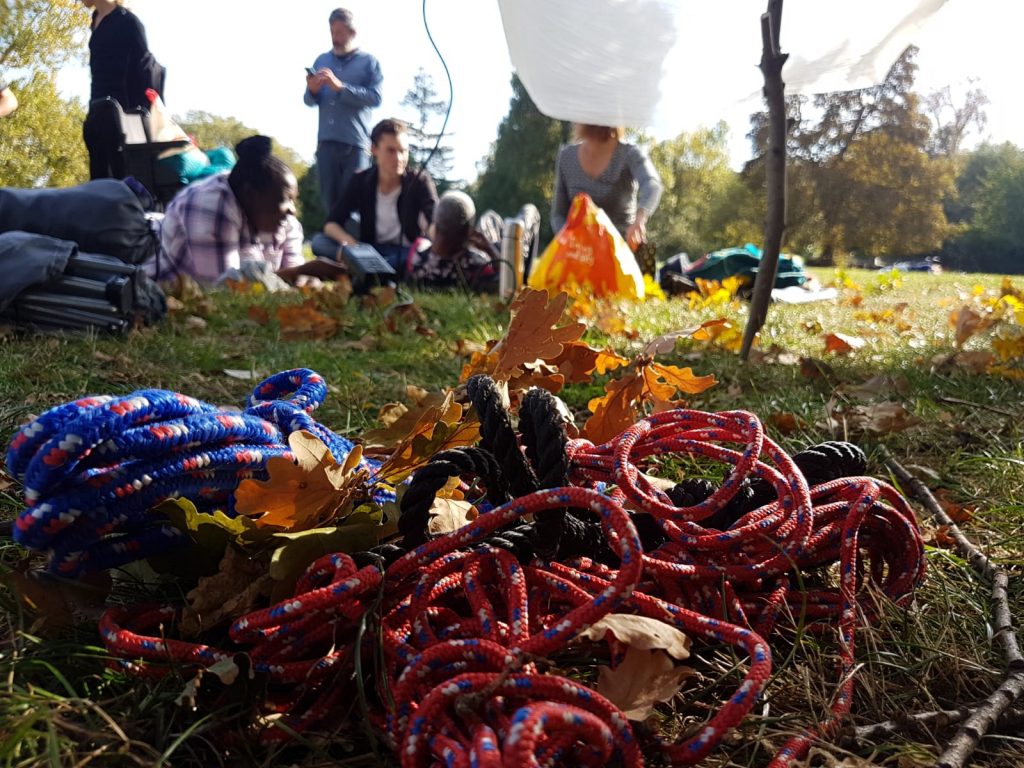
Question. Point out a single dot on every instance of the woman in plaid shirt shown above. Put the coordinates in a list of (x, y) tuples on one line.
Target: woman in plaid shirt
[(248, 214)]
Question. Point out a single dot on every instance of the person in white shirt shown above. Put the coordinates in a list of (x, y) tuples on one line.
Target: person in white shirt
[(395, 204)]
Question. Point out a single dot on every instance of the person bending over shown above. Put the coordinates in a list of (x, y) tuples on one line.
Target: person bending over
[(395, 204), (617, 175), (248, 214)]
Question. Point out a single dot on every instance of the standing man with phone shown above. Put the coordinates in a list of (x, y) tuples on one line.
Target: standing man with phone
[(345, 83)]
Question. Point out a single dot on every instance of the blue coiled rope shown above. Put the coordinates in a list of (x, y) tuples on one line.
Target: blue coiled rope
[(93, 468)]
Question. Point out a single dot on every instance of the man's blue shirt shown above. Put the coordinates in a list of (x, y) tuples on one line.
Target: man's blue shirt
[(345, 116)]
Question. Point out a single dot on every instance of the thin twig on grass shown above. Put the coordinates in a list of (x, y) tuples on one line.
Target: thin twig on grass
[(985, 716), (981, 406), (870, 735)]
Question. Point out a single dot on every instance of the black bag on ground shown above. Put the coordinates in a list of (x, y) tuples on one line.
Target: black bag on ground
[(101, 216)]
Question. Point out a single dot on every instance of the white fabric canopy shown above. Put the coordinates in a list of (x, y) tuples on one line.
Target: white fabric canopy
[(677, 63)]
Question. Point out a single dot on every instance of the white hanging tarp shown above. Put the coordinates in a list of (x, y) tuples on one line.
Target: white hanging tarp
[(663, 62)]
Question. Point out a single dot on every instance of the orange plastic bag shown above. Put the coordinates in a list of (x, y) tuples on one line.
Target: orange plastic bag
[(590, 252)]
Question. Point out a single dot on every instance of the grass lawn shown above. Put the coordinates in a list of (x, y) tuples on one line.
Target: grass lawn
[(60, 706)]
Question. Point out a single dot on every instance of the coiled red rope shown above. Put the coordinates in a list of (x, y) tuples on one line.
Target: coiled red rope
[(465, 632)]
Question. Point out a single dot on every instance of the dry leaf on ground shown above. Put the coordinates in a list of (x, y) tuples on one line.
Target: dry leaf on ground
[(305, 493), (531, 333), (438, 428), (666, 343), (785, 422), (643, 679), (843, 344), (232, 591), (967, 323), (448, 515), (881, 384), (883, 418), (304, 322), (642, 633), (399, 420), (259, 315)]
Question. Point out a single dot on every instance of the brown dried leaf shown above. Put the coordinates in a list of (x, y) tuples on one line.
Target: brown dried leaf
[(643, 679), (367, 343), (304, 322), (531, 333), (642, 633), (448, 515), (234, 590), (58, 603), (843, 344), (958, 512), (615, 410), (884, 418), (974, 361), (437, 429), (666, 343), (967, 323), (399, 421), (880, 384), (258, 314), (578, 361), (786, 423), (815, 369)]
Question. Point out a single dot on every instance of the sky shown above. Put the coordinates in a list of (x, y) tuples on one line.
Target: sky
[(247, 60)]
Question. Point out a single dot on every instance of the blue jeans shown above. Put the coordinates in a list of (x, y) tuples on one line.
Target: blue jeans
[(336, 164)]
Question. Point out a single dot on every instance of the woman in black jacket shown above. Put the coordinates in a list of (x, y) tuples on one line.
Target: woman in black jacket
[(122, 68), (395, 204)]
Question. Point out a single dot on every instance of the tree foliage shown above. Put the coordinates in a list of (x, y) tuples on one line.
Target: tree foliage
[(520, 167), (423, 99), (861, 178), (211, 131), (41, 143), (704, 205)]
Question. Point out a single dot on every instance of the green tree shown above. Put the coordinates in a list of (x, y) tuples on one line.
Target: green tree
[(311, 206), (41, 144), (704, 202), (520, 168), (1001, 203), (422, 98), (210, 131), (860, 177)]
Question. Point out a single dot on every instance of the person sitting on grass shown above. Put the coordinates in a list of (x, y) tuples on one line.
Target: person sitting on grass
[(459, 254), (395, 204), (247, 215)]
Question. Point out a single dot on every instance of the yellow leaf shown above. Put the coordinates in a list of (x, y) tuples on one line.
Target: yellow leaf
[(615, 410), (682, 379), (305, 322), (305, 493)]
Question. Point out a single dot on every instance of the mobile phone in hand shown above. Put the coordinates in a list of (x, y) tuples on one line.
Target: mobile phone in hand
[(310, 71)]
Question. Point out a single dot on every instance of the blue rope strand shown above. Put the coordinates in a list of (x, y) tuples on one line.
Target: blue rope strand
[(94, 467)]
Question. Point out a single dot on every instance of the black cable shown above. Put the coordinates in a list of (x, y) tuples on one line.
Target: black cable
[(451, 94)]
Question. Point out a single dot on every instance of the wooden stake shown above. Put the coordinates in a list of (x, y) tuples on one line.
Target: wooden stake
[(772, 60)]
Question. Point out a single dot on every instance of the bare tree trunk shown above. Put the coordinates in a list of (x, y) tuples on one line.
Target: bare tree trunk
[(772, 60)]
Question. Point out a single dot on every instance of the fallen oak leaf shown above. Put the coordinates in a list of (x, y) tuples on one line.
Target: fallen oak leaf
[(231, 592), (614, 411), (578, 361), (258, 314), (305, 322), (883, 418), (531, 333), (399, 420), (666, 343), (640, 632), (306, 492), (449, 515), (967, 322), (842, 344), (641, 680), (438, 428)]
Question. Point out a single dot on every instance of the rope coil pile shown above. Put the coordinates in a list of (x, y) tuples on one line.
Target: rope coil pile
[(469, 622), (93, 468)]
